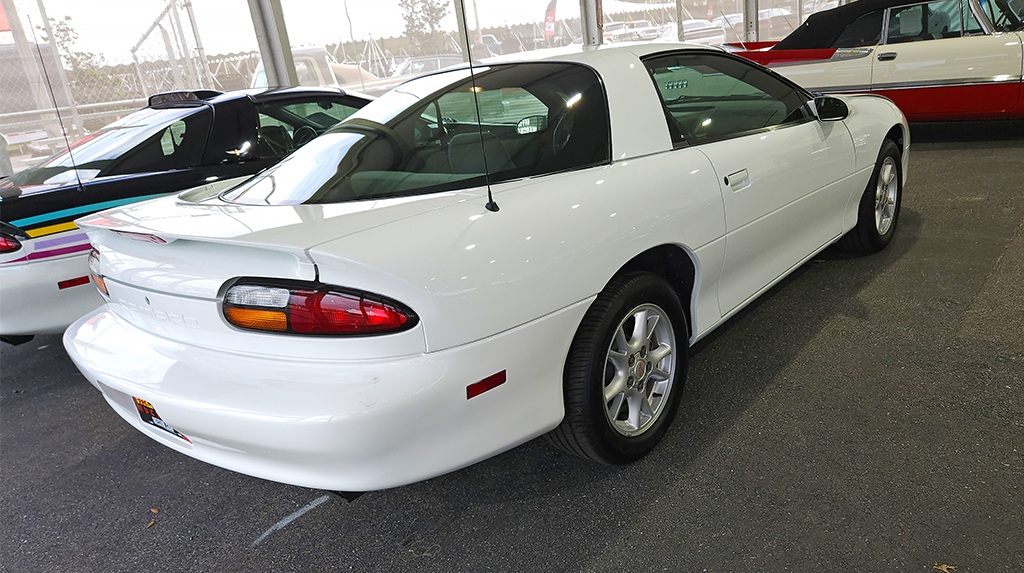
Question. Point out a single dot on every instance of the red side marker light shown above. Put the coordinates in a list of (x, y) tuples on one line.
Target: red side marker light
[(492, 381), (73, 283)]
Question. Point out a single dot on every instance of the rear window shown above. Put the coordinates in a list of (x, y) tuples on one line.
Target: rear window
[(145, 141), (443, 132)]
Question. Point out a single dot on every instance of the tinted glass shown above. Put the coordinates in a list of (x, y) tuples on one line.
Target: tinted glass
[(147, 140), (932, 21), (708, 97), (425, 136), (287, 125), (971, 24), (864, 31), (1006, 15)]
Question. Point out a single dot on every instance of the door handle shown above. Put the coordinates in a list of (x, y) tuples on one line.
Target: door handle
[(887, 56), (738, 181)]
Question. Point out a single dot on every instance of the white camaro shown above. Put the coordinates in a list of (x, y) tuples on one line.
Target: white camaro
[(362, 315)]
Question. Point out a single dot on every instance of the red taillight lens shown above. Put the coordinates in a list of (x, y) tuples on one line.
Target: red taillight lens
[(9, 244), (317, 310)]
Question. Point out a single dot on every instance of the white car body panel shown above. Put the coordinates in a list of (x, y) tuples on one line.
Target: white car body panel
[(494, 292), (31, 301)]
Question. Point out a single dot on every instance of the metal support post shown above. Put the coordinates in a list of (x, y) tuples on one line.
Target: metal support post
[(679, 20), (76, 122), (460, 19), (750, 20), (28, 60), (205, 68), (179, 83), (190, 65), (272, 37), (592, 21)]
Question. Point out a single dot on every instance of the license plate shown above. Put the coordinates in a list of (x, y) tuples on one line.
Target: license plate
[(148, 414)]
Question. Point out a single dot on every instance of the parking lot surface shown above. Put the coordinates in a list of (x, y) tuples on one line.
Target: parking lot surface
[(866, 414)]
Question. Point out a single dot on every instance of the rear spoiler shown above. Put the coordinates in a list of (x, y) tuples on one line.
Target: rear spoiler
[(772, 58)]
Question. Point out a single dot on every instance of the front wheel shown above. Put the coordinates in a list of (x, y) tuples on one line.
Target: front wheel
[(625, 371), (879, 208)]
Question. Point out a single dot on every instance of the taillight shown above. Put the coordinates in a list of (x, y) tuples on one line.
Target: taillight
[(9, 244), (314, 309), (94, 270)]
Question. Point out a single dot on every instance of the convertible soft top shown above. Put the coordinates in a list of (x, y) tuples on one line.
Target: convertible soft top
[(821, 29)]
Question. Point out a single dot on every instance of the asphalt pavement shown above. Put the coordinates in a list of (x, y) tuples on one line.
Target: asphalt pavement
[(866, 414)]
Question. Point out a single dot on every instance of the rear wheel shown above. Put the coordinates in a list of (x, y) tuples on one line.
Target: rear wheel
[(879, 209), (625, 371)]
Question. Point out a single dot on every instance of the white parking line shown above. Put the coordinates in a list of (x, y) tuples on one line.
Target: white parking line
[(284, 522)]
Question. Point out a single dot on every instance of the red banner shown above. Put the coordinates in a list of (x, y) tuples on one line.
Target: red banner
[(5, 26), (549, 21)]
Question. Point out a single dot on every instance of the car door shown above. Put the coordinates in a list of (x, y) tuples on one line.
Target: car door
[(938, 62), (849, 69), (785, 176)]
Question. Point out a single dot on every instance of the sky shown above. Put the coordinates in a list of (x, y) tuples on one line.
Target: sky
[(112, 27)]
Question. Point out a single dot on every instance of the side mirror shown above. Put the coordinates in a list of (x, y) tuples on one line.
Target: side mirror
[(531, 124), (830, 108)]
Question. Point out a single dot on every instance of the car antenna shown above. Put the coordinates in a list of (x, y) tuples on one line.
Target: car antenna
[(491, 205), (56, 110)]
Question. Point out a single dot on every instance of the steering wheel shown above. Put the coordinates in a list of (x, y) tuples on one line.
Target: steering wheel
[(303, 135)]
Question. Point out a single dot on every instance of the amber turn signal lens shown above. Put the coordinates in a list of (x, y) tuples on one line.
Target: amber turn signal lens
[(94, 271), (258, 319)]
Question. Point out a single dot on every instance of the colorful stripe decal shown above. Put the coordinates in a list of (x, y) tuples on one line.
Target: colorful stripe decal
[(43, 231), (60, 241), (53, 253), (80, 210), (58, 252)]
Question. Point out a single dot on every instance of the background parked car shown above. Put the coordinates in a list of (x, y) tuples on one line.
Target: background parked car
[(182, 140), (695, 32), (922, 59)]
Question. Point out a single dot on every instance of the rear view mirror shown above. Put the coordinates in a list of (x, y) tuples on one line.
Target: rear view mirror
[(830, 108), (531, 124)]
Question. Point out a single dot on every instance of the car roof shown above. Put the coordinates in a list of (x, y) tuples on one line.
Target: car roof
[(821, 29), (277, 93)]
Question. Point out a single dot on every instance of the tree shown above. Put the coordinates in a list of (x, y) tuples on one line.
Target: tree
[(88, 73), (423, 24)]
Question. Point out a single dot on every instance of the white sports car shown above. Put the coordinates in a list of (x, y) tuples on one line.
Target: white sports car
[(427, 285)]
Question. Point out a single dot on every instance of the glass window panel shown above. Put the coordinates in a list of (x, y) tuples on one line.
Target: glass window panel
[(425, 137), (921, 22), (709, 97), (864, 31)]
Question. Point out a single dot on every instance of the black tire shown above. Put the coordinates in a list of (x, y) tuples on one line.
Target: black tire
[(586, 430), (865, 238)]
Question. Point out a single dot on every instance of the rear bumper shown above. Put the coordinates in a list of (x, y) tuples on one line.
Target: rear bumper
[(32, 303), (355, 425)]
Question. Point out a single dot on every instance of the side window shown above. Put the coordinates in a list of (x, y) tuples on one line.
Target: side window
[(864, 31), (708, 97), (178, 146), (286, 126), (533, 119), (931, 21), (540, 118), (971, 24)]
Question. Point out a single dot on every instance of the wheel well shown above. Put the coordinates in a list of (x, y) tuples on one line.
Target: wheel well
[(896, 134), (672, 263)]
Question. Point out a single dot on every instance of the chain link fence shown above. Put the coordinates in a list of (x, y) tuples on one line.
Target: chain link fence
[(42, 71)]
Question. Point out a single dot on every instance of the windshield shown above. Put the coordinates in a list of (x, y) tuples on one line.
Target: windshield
[(442, 132), (147, 140), (1006, 15)]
